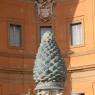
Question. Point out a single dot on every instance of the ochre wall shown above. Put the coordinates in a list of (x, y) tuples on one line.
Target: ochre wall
[(16, 63)]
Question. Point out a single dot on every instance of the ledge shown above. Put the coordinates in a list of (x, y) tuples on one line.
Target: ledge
[(20, 55), (81, 68), (29, 70), (74, 54), (21, 71)]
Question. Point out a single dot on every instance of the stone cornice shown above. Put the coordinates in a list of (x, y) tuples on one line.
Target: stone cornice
[(19, 55), (30, 55), (29, 71), (26, 0), (81, 68), (70, 70), (72, 54), (20, 71)]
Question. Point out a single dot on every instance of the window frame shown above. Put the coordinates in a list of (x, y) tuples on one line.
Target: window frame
[(21, 35), (70, 34), (49, 26)]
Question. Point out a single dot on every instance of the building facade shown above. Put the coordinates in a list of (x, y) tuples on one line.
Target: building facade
[(20, 34)]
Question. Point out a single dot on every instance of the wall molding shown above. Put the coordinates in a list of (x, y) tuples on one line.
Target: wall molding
[(81, 68), (67, 54), (19, 55), (16, 71), (74, 54), (28, 1), (29, 71)]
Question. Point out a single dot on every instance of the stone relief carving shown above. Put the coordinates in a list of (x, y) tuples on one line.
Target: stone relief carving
[(45, 9)]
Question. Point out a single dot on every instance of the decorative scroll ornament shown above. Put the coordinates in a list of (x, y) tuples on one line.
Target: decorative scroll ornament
[(45, 9)]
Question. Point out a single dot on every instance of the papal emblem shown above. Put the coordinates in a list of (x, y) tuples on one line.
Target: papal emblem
[(45, 9)]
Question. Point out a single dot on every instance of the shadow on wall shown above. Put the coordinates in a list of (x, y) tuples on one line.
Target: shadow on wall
[(65, 9), (69, 15)]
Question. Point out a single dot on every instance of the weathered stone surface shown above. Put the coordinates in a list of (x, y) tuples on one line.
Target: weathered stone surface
[(49, 69)]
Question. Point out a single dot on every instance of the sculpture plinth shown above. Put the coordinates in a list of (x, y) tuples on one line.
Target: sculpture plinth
[(49, 68)]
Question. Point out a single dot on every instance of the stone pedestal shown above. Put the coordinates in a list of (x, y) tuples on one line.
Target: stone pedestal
[(50, 92)]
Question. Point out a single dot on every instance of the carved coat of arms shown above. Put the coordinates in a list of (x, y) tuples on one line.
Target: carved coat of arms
[(45, 8)]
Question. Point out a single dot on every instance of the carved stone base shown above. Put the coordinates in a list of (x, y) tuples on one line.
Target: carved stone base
[(50, 85), (50, 92)]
